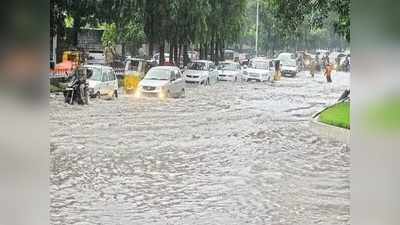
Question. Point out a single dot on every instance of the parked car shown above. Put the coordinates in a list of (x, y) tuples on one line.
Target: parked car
[(96, 58), (201, 72), (231, 55), (229, 71), (162, 81), (102, 81), (258, 70)]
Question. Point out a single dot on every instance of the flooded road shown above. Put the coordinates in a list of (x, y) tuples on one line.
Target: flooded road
[(231, 153)]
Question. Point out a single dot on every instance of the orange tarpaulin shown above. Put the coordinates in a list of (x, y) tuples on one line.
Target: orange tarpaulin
[(64, 67)]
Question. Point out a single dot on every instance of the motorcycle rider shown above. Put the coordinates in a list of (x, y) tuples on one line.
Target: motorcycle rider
[(78, 88)]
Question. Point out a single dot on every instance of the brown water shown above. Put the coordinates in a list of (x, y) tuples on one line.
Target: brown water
[(231, 153)]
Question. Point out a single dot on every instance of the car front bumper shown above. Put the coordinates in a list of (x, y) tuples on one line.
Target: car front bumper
[(289, 72), (226, 77), (253, 76), (194, 79)]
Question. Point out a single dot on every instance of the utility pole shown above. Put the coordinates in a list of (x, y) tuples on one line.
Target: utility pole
[(257, 30)]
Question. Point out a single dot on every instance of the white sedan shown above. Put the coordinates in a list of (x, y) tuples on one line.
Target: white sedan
[(258, 70), (201, 72), (229, 71), (162, 81)]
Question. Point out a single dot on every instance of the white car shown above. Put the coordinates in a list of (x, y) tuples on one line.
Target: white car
[(258, 70), (201, 72), (229, 71), (162, 81), (288, 67), (102, 81)]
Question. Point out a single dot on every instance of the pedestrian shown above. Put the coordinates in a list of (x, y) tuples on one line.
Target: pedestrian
[(312, 68), (346, 64), (109, 53), (328, 72), (317, 64)]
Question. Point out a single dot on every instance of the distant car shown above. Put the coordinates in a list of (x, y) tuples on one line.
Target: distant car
[(201, 72), (96, 58), (162, 81), (231, 55), (229, 71), (258, 70), (336, 59), (102, 81)]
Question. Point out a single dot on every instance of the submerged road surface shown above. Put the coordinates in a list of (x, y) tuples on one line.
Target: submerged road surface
[(227, 154)]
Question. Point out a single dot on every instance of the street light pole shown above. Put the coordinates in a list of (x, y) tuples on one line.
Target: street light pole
[(257, 30)]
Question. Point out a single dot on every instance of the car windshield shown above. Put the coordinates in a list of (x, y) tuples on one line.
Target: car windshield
[(227, 66), (286, 56), (197, 66), (96, 74), (259, 65), (158, 74), (288, 62)]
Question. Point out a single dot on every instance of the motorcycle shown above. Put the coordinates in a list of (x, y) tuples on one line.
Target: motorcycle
[(77, 90)]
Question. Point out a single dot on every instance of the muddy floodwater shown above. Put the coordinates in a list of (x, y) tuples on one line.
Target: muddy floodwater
[(227, 154)]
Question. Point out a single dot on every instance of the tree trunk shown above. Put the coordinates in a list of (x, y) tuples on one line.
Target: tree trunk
[(180, 52), (75, 31), (205, 51), (221, 50), (212, 49), (201, 51), (162, 59), (185, 54), (216, 58), (176, 58), (123, 45), (151, 49), (171, 52)]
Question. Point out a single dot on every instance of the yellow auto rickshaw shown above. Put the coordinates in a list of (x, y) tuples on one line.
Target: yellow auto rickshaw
[(135, 69)]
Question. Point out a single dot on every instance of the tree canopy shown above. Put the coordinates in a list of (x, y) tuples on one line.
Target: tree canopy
[(209, 26)]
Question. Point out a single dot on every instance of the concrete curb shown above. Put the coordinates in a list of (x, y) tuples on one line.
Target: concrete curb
[(329, 131)]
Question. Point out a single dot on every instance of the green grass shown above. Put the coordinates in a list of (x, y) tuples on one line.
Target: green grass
[(338, 115)]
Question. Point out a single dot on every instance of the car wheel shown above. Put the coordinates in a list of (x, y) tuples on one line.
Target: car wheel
[(98, 95), (115, 94)]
